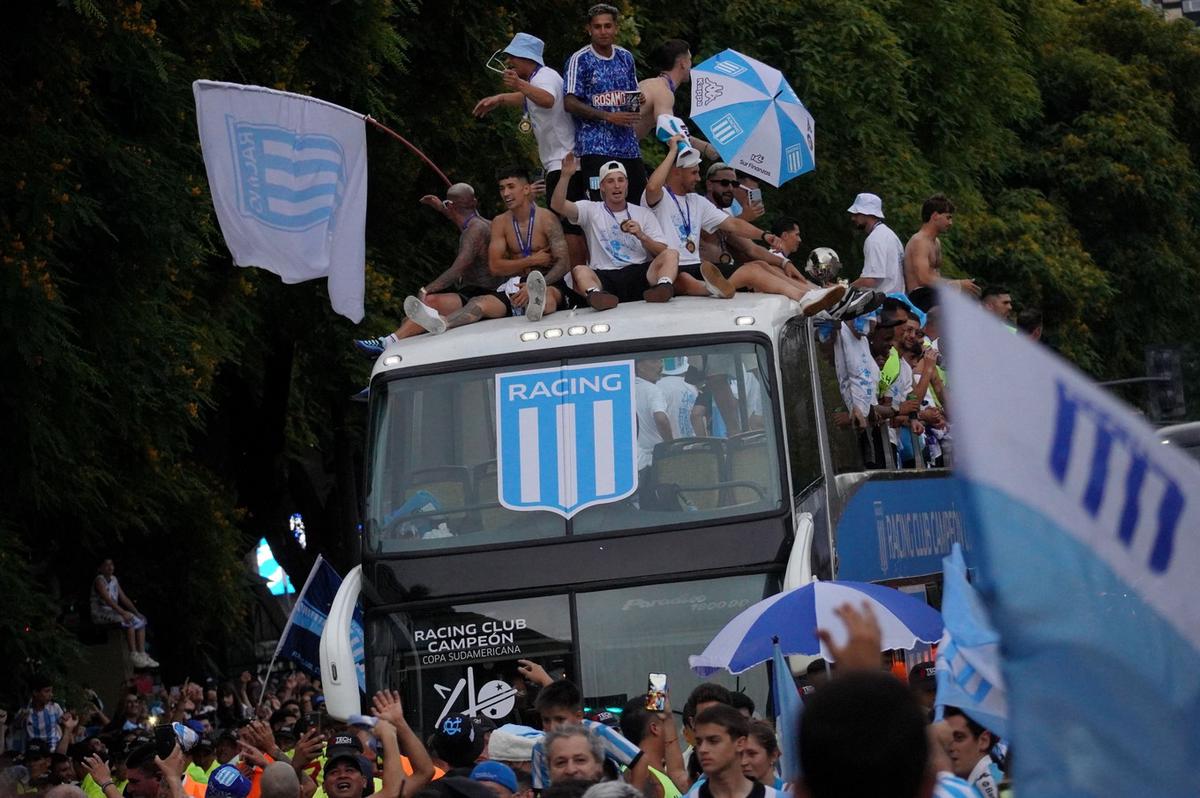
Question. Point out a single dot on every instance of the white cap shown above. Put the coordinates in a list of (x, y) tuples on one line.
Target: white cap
[(609, 167), (868, 205)]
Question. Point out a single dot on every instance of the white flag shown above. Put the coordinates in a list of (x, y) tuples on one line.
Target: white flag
[(288, 175)]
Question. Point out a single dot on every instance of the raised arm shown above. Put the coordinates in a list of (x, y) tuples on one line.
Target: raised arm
[(559, 202), (388, 708), (537, 96), (658, 178)]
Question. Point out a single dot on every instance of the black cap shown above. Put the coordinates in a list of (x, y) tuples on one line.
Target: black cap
[(459, 740), (36, 749), (923, 676), (344, 746), (607, 718)]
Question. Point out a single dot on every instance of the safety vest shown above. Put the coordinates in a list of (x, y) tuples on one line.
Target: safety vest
[(890, 371)]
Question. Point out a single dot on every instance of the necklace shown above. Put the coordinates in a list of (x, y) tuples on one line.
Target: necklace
[(628, 216), (467, 221)]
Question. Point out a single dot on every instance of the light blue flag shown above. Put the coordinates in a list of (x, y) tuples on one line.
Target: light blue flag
[(300, 640), (788, 709), (968, 659), (1088, 556)]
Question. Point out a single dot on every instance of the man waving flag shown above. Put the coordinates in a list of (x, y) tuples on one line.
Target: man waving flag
[(1088, 554), (288, 175)]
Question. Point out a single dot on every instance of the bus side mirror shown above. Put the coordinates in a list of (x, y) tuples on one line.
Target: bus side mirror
[(339, 676)]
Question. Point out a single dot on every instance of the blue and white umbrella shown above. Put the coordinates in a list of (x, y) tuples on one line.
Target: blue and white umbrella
[(794, 616), (754, 119)]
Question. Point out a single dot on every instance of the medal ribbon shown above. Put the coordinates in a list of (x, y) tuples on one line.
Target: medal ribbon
[(526, 244), (525, 102), (687, 217)]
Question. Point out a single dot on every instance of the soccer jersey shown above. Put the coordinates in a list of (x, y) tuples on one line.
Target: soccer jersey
[(986, 777), (650, 401), (701, 789), (602, 83), (608, 246), (682, 217), (617, 750), (681, 398)]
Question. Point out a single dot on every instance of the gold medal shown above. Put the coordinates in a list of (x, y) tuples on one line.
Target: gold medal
[(691, 245), (525, 125)]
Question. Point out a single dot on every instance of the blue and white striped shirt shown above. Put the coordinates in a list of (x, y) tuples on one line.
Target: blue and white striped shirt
[(951, 786), (42, 724)]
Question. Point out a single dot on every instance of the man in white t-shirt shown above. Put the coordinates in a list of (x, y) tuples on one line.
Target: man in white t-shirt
[(883, 254), (628, 257), (681, 396), (538, 90), (653, 425), (682, 214)]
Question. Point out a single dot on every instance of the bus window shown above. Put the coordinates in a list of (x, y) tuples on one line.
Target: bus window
[(798, 410), (700, 443), (463, 659), (626, 633)]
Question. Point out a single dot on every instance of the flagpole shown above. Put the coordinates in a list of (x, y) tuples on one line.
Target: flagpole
[(408, 144), (286, 628)]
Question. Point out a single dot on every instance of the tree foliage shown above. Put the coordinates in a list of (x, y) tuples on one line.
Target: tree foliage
[(171, 409)]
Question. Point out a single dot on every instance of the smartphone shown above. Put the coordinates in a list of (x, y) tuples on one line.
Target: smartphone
[(537, 175), (656, 692), (164, 740), (754, 195), (315, 720)]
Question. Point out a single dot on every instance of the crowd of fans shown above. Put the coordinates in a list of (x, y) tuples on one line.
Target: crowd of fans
[(862, 732)]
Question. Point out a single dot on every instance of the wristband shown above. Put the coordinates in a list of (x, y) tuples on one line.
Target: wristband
[(106, 785)]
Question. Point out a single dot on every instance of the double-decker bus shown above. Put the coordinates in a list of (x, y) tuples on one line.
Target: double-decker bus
[(514, 513)]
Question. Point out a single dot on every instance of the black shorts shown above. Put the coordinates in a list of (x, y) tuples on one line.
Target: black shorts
[(551, 181), (589, 167), (468, 292), (627, 283), (693, 269)]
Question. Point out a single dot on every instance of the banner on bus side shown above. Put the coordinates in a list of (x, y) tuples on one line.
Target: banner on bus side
[(566, 437)]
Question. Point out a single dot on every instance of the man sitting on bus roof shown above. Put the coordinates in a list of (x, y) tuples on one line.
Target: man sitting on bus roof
[(468, 277), (525, 239), (560, 704), (627, 250), (683, 214), (732, 249)]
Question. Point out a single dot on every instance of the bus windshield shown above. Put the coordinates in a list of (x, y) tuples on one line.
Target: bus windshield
[(494, 455)]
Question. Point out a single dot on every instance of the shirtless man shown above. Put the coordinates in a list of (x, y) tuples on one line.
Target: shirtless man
[(673, 60), (525, 241), (923, 253), (468, 277)]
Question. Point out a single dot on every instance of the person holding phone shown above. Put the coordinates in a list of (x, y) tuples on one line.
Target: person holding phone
[(648, 722)]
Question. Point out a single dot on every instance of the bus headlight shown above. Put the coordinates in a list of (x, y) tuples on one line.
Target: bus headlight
[(531, 335), (553, 332), (744, 321)]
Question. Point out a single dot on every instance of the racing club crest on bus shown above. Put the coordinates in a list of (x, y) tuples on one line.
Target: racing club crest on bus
[(566, 437)]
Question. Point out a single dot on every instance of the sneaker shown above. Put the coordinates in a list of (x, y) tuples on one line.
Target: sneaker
[(361, 396), (369, 347), (717, 284), (662, 292), (420, 313), (823, 298), (138, 659), (855, 303), (535, 285), (601, 300), (149, 661)]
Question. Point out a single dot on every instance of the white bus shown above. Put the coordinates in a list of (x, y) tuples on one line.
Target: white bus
[(512, 512)]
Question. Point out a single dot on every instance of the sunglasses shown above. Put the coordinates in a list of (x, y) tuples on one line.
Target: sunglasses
[(725, 183)]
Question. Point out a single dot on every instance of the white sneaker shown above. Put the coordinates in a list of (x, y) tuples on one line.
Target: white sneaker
[(716, 283), (535, 285), (428, 318), (150, 661), (823, 298), (138, 659)]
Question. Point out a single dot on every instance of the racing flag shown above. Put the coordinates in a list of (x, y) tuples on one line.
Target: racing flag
[(288, 176), (1087, 561)]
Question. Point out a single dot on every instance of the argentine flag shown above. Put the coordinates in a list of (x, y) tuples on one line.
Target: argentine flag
[(1088, 554)]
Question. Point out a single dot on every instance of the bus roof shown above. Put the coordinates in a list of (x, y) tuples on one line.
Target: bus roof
[(631, 321)]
